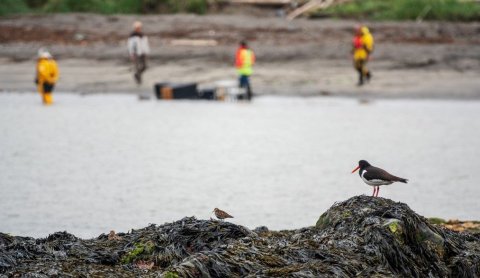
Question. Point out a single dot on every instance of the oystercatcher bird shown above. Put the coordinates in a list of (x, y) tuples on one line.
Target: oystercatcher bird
[(376, 177), (220, 214)]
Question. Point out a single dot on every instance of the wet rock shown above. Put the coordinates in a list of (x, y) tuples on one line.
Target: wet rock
[(52, 272), (393, 237), (362, 236), (34, 275), (261, 230)]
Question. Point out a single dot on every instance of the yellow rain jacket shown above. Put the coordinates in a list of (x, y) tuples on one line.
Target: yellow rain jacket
[(47, 72), (362, 53)]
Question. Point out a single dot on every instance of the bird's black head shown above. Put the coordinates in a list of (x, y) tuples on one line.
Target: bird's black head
[(363, 164)]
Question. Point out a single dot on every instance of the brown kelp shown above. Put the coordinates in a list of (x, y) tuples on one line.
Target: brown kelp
[(362, 236)]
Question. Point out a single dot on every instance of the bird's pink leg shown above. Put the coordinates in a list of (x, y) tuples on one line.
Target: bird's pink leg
[(373, 195)]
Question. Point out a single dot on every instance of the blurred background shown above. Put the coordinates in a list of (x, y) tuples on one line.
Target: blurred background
[(111, 154)]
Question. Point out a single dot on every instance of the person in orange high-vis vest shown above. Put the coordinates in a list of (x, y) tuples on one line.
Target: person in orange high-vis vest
[(244, 60), (47, 76), (362, 49)]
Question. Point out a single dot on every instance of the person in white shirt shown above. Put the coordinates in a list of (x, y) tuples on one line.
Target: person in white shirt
[(138, 49)]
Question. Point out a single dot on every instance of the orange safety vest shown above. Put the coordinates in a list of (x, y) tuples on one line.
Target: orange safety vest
[(244, 60)]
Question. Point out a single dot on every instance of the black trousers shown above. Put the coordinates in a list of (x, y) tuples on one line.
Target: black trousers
[(244, 82), (48, 88), (361, 67), (140, 65)]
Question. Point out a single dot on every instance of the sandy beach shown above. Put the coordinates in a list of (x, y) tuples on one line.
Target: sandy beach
[(298, 58)]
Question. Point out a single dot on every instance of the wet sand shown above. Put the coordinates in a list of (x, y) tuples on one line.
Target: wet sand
[(302, 58), (306, 78)]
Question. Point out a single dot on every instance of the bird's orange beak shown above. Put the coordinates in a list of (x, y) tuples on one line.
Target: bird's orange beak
[(358, 167)]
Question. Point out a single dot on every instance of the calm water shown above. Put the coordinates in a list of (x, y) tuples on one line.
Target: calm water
[(92, 164)]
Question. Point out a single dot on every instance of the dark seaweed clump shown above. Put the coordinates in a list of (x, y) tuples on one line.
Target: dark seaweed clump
[(362, 237)]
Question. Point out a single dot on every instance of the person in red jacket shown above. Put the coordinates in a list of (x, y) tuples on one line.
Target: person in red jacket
[(361, 50), (244, 60)]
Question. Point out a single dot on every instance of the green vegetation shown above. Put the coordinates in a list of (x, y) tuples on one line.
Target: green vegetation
[(103, 6), (171, 275), (96, 6), (452, 10), (323, 221), (192, 6), (436, 221), (140, 250), (12, 7)]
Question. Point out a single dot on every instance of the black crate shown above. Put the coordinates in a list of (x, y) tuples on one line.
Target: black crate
[(176, 90)]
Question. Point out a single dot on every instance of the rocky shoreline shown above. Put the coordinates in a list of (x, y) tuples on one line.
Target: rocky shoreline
[(362, 236)]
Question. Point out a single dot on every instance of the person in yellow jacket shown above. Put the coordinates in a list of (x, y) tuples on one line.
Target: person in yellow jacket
[(47, 75), (244, 60), (362, 49)]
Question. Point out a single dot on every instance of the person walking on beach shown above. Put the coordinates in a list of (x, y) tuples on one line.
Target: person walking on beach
[(138, 49), (244, 60), (362, 48), (46, 76)]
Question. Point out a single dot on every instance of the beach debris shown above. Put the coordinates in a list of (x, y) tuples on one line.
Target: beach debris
[(359, 237), (193, 42), (79, 36), (310, 5), (472, 227), (462, 226)]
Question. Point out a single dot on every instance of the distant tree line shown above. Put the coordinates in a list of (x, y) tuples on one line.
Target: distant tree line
[(452, 10), (103, 6)]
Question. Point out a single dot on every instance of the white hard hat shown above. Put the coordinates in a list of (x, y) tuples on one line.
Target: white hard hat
[(43, 53)]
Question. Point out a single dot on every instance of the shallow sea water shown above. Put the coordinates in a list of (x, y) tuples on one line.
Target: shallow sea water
[(97, 163)]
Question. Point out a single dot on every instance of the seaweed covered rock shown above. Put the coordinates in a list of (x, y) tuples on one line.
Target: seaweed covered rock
[(392, 238), (363, 236)]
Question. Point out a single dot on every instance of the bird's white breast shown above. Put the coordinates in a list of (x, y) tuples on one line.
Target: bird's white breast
[(374, 182)]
